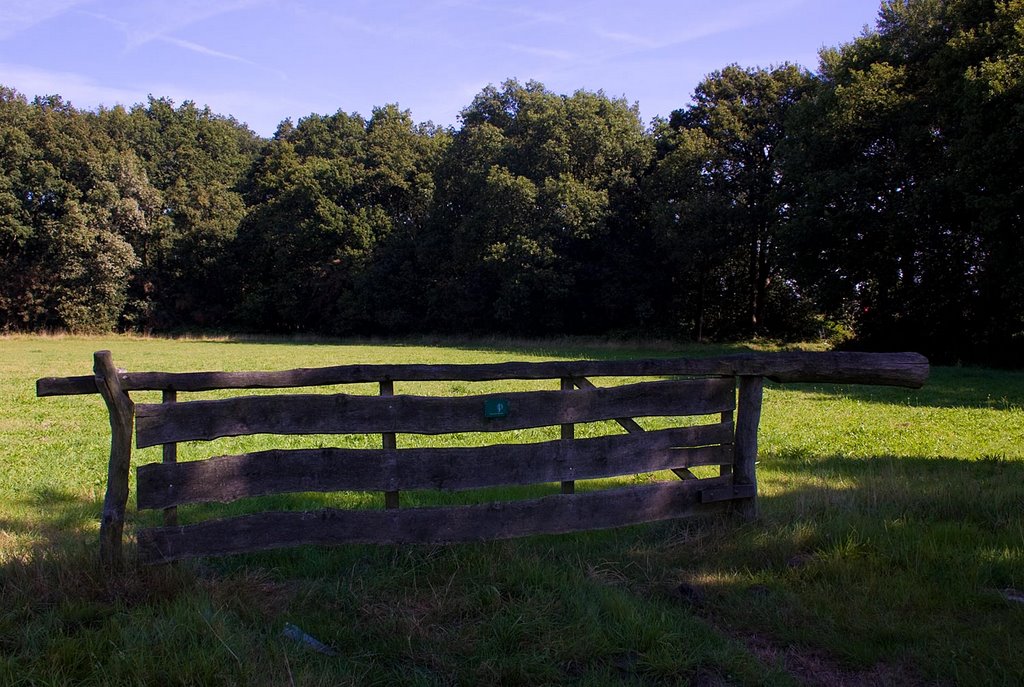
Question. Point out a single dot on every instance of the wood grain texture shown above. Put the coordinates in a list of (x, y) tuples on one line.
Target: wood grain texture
[(748, 417), (389, 441), (892, 369), (170, 455), (633, 427), (67, 386), (228, 478), (345, 413), (121, 411), (627, 423), (555, 514), (728, 492), (389, 469), (568, 431), (726, 469)]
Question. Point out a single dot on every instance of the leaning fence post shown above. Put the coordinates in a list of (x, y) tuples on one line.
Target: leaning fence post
[(748, 416), (122, 416)]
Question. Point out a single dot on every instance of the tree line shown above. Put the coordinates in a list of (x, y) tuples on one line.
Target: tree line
[(878, 199)]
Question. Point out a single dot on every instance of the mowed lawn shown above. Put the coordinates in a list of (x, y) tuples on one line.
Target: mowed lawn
[(890, 551)]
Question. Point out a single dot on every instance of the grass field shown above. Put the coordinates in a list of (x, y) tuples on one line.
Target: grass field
[(889, 552)]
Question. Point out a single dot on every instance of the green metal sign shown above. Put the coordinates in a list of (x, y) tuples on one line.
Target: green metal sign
[(495, 407)]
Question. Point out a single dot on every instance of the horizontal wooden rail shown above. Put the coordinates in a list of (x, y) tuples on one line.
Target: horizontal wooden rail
[(710, 390), (228, 478), (892, 369), (347, 413), (546, 515)]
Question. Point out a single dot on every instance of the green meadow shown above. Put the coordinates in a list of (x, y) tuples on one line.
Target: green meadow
[(889, 551)]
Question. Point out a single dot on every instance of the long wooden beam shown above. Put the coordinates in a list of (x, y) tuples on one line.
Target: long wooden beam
[(280, 471), (890, 369), (547, 515), (348, 413)]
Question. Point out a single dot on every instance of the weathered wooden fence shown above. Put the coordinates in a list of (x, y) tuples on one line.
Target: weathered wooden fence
[(711, 391)]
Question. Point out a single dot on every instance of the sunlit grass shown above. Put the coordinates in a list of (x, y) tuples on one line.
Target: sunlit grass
[(892, 524)]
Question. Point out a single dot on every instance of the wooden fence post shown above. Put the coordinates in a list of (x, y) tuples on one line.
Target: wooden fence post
[(170, 456), (748, 415), (568, 434), (389, 441), (122, 417)]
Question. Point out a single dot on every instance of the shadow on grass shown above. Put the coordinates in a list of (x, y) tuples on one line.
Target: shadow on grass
[(947, 387), (50, 554), (882, 570), (980, 499), (511, 612), (53, 520)]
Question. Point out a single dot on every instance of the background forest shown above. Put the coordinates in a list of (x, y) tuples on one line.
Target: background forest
[(878, 200)]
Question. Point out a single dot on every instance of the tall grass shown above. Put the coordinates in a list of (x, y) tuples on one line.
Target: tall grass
[(892, 527)]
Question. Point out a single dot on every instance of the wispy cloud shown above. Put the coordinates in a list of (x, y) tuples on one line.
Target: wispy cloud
[(679, 31), (201, 49), (80, 90), (151, 28), (616, 45), (541, 52), (627, 38), (509, 9), (153, 19), (210, 52), (262, 114), (19, 15), (417, 23), (342, 21)]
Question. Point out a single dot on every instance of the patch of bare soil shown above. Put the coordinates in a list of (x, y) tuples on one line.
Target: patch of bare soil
[(816, 669), (810, 667)]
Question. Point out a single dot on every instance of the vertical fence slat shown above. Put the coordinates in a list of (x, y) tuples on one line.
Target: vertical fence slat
[(568, 434), (748, 415), (170, 456), (122, 418), (389, 441), (724, 470)]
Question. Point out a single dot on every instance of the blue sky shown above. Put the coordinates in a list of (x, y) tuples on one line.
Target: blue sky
[(264, 60)]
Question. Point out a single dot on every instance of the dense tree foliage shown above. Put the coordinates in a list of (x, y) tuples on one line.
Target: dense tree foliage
[(335, 207), (526, 234), (197, 161), (72, 204), (720, 201), (908, 156), (880, 197)]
